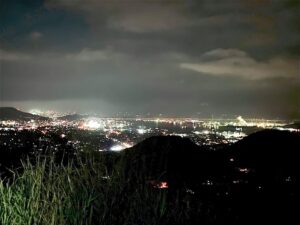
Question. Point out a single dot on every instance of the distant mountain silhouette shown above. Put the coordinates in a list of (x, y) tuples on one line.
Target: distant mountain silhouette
[(10, 113), (72, 117)]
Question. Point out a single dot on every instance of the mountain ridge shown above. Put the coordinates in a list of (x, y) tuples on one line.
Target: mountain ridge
[(11, 113)]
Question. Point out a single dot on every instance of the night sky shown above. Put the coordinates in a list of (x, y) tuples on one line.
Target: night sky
[(169, 57)]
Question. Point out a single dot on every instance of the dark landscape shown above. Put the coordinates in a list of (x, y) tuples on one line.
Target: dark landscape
[(161, 180), (149, 112)]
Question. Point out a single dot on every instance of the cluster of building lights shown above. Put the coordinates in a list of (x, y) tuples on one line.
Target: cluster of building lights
[(125, 132)]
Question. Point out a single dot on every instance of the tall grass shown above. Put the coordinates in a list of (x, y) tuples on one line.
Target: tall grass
[(50, 193)]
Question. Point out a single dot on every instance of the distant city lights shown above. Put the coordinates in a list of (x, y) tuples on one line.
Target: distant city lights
[(141, 131), (92, 125), (117, 148), (36, 112), (117, 134), (120, 147)]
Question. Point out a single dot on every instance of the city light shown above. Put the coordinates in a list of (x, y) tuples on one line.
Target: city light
[(117, 148), (35, 112), (242, 122), (141, 131), (92, 125), (120, 147)]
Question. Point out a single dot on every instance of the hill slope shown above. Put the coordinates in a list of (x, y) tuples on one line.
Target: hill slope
[(10, 113), (248, 182)]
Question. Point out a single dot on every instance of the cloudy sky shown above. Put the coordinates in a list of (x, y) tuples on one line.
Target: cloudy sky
[(174, 57)]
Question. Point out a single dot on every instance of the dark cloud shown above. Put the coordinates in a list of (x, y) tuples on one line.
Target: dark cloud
[(162, 56), (234, 62)]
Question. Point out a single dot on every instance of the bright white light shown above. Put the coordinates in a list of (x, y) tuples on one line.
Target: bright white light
[(235, 135), (180, 135), (36, 112), (205, 132), (127, 145), (120, 147), (287, 129), (92, 124), (242, 121), (120, 125), (9, 123), (117, 148), (141, 131)]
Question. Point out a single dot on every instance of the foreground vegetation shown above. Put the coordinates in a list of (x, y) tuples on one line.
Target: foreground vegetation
[(253, 181), (80, 193)]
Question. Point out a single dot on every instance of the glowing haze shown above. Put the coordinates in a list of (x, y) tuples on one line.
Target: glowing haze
[(169, 57)]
